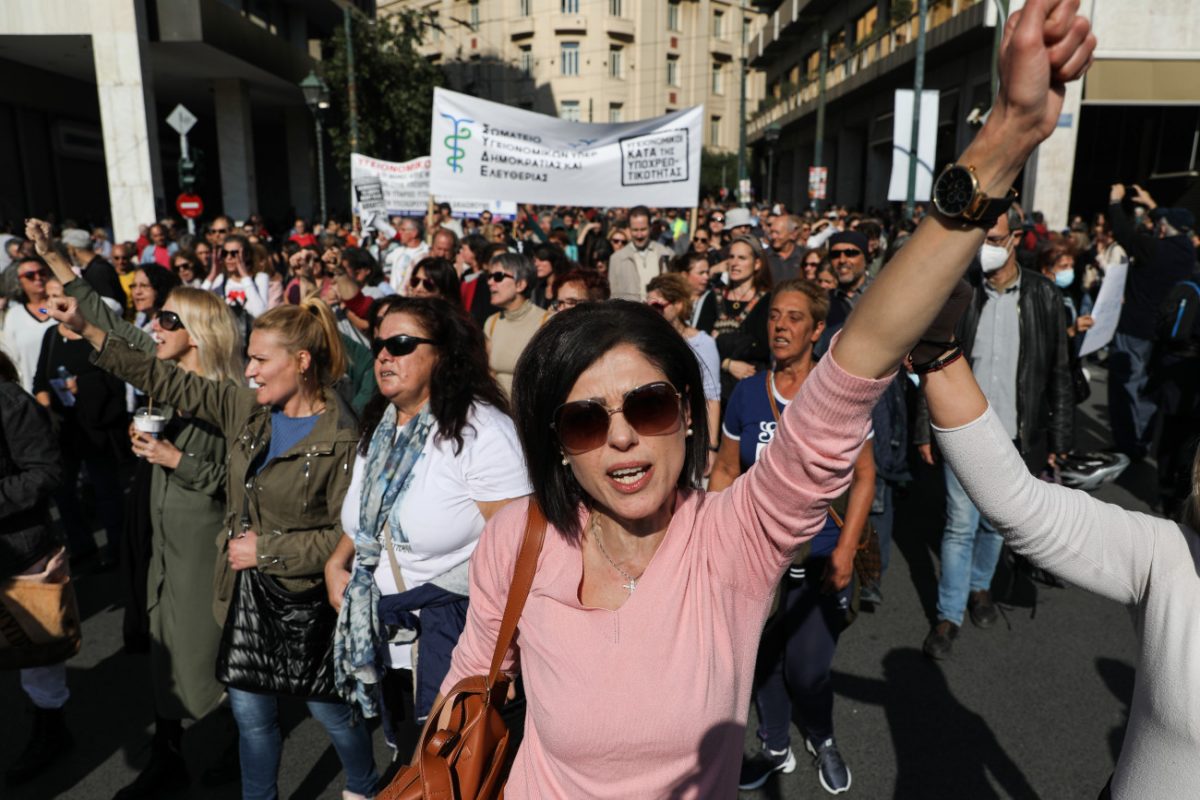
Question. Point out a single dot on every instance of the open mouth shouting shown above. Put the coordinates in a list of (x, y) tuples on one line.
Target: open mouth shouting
[(629, 477)]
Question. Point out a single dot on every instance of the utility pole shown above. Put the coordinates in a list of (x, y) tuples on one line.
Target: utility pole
[(352, 102), (918, 87), (741, 154), (819, 147)]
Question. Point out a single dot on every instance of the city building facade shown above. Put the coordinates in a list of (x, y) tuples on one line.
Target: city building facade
[(88, 87), (1134, 118), (596, 60)]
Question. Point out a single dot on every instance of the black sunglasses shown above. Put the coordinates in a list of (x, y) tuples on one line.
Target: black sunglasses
[(716, 218), (169, 321), (849, 252), (499, 277), (218, 230), (33, 276), (652, 410), (398, 346), (424, 283), (231, 253)]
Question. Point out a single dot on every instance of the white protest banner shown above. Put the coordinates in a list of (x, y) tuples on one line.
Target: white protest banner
[(484, 149), (401, 189), (1106, 312)]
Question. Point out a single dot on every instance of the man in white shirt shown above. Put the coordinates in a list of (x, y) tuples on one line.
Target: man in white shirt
[(632, 267), (401, 261)]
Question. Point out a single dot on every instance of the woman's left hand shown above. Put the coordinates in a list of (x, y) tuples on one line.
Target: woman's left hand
[(741, 369), (838, 571), (1084, 322), (243, 551), (156, 451)]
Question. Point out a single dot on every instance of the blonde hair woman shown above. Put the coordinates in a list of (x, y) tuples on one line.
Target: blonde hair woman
[(185, 500), (291, 442)]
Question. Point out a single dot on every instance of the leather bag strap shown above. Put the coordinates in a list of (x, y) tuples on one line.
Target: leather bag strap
[(518, 591)]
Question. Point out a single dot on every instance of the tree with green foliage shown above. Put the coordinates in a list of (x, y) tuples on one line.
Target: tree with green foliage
[(717, 170), (393, 88)]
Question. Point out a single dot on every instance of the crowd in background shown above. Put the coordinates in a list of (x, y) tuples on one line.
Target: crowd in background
[(425, 322)]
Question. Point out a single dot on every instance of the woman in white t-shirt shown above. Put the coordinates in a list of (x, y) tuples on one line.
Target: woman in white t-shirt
[(25, 324), (439, 456), (238, 283)]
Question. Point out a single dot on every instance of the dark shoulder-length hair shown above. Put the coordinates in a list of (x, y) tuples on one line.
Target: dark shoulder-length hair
[(762, 275), (441, 271), (460, 378), (558, 354), (162, 280)]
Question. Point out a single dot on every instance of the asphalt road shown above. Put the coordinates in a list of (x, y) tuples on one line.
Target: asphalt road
[(1032, 708)]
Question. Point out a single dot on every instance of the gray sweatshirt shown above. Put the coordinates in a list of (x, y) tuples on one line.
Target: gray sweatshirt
[(1151, 565)]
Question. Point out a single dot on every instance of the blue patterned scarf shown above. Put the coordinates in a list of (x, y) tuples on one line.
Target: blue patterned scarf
[(358, 647)]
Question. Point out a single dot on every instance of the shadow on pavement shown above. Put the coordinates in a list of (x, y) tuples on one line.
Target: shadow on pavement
[(943, 749), (920, 516)]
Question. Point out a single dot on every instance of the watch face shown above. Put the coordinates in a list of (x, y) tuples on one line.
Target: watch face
[(954, 190)]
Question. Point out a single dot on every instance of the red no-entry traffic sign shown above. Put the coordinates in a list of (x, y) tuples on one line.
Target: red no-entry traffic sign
[(189, 206)]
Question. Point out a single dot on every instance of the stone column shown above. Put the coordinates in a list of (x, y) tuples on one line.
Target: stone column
[(235, 148), (1049, 188), (298, 123), (128, 119)]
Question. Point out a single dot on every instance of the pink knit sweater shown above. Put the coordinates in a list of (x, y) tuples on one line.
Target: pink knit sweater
[(651, 700)]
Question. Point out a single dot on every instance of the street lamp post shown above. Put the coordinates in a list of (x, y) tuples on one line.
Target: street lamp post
[(771, 135), (316, 97)]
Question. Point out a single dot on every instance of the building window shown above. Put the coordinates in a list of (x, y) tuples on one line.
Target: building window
[(864, 26), (837, 46), (718, 30), (570, 6), (527, 60), (473, 13), (714, 132), (672, 70), (615, 8), (616, 61), (813, 63), (614, 112), (718, 85), (569, 110), (570, 58), (523, 8), (673, 15)]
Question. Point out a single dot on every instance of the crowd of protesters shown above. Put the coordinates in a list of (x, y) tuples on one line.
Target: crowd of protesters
[(332, 414)]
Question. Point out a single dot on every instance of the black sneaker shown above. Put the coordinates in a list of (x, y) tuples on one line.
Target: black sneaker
[(831, 769), (48, 741), (940, 640), (983, 611), (763, 765)]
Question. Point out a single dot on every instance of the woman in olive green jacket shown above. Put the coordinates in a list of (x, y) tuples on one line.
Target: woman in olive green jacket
[(291, 442), (187, 505)]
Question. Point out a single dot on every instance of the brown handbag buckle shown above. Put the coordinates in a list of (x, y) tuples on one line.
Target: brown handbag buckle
[(441, 743)]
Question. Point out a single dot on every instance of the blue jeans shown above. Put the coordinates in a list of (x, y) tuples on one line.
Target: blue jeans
[(260, 745), (1130, 412), (970, 550)]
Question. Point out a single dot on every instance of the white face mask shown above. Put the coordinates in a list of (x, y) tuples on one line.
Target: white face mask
[(992, 258)]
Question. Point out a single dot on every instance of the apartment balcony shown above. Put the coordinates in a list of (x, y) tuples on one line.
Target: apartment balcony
[(619, 28), (886, 50), (721, 48), (570, 23), (520, 27)]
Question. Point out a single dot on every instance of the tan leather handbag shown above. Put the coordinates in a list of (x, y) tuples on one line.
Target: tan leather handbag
[(39, 618), (463, 752)]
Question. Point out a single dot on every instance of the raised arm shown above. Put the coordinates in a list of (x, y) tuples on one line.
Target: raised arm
[(1044, 45), (1098, 546)]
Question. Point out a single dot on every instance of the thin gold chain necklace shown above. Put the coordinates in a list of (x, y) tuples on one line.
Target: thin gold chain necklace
[(630, 581)]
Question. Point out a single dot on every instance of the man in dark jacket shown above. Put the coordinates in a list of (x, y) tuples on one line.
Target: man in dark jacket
[(1014, 333), (95, 270), (29, 472), (1157, 263)]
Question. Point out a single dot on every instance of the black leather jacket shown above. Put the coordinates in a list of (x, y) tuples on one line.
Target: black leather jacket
[(1045, 400), (29, 471)]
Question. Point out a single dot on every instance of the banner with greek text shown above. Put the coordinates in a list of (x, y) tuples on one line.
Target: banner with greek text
[(484, 149), (390, 188)]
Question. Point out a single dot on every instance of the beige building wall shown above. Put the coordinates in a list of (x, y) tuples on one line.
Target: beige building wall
[(596, 60)]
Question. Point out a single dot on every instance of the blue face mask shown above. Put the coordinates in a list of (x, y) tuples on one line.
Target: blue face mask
[(1065, 278)]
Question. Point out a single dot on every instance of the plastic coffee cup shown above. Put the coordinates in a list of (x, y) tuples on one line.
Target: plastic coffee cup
[(147, 421)]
